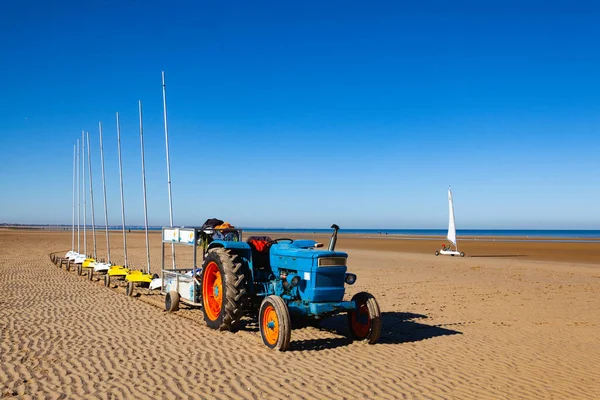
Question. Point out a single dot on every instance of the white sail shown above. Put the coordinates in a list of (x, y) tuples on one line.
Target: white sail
[(451, 224)]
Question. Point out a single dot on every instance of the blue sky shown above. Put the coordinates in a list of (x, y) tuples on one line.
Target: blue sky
[(303, 114)]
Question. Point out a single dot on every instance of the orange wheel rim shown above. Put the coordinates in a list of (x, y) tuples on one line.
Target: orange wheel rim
[(270, 324), (212, 291), (361, 323)]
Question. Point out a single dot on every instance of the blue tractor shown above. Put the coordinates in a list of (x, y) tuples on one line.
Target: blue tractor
[(282, 279)]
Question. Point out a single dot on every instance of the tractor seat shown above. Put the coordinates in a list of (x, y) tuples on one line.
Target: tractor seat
[(260, 245)]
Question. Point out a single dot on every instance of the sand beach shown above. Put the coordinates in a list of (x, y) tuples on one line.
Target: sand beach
[(508, 321)]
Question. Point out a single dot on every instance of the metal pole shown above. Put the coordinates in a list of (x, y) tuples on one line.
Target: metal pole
[(91, 194), (104, 190), (144, 187), (84, 195), (164, 90), (122, 198), (78, 203), (73, 223)]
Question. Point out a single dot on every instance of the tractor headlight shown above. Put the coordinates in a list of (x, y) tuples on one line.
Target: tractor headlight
[(350, 279), (293, 279)]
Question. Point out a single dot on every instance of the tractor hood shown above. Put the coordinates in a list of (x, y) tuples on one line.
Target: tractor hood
[(294, 250)]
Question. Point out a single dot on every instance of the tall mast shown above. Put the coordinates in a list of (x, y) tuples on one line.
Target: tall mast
[(91, 193), (122, 197), (78, 203), (164, 90), (73, 219), (84, 195), (144, 187), (104, 190)]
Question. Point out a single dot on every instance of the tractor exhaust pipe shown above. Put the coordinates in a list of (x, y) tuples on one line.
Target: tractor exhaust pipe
[(333, 239)]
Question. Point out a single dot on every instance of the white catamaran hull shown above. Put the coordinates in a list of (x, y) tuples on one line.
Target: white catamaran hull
[(449, 253), (101, 267)]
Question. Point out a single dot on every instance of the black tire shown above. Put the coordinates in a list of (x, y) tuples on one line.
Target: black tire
[(462, 254), (452, 255), (79, 269), (53, 258), (90, 273), (130, 289), (273, 310), (107, 280), (437, 253), (361, 329), (68, 266), (172, 301), (233, 298)]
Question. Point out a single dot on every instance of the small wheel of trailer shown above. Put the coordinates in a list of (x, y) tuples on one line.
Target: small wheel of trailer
[(437, 253), (107, 280), (365, 322), (172, 301), (452, 255), (53, 258), (130, 289), (68, 266), (462, 254), (79, 269), (90, 273), (275, 323)]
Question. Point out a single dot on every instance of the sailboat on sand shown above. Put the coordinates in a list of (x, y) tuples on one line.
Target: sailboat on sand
[(452, 248)]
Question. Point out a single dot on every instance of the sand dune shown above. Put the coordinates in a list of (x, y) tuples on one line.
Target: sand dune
[(468, 328)]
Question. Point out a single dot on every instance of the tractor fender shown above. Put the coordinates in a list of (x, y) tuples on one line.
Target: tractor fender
[(237, 247)]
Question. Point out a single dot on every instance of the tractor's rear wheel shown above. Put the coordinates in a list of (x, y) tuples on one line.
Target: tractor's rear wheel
[(223, 290), (275, 323), (365, 322)]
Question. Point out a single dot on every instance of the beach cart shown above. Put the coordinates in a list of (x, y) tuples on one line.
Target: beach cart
[(184, 284)]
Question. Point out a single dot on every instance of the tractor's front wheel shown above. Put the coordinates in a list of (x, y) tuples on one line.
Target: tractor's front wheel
[(365, 322), (275, 323), (223, 290)]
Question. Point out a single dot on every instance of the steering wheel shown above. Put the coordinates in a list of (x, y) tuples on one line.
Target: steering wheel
[(275, 241)]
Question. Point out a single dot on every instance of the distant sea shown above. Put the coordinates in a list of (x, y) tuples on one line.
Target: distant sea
[(533, 233), (507, 233)]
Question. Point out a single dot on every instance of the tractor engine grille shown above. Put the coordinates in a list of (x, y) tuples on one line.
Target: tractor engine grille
[(332, 280)]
